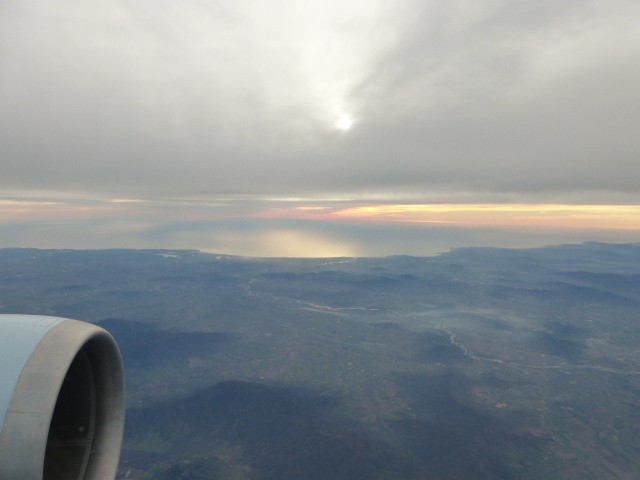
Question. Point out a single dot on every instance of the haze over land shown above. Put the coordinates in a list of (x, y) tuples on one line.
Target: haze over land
[(481, 363), (364, 128)]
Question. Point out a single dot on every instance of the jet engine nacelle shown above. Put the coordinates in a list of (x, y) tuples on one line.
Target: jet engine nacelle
[(61, 400)]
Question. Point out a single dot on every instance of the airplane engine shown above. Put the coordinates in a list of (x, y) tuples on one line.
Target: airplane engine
[(61, 400)]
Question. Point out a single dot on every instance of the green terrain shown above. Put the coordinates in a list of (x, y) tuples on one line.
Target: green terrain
[(479, 363)]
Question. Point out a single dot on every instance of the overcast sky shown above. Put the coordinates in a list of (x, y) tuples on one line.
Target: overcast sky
[(456, 101)]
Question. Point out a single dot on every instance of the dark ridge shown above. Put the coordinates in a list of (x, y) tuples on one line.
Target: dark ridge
[(577, 293), (284, 433), (624, 284), (437, 348), (555, 345), (454, 441), (186, 469), (144, 346), (492, 380), (566, 330), (447, 354)]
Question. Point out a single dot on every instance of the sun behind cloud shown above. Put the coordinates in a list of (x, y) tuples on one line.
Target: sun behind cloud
[(344, 122)]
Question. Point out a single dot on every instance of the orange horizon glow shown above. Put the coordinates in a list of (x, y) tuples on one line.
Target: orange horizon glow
[(626, 217), (601, 217), (481, 215)]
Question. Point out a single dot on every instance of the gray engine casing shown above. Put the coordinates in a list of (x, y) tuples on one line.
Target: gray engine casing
[(61, 400)]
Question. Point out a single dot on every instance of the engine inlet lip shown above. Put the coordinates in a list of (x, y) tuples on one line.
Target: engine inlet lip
[(24, 434)]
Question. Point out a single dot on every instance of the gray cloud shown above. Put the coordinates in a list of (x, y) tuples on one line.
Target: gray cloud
[(527, 98)]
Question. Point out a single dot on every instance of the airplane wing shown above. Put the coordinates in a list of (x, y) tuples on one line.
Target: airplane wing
[(61, 400)]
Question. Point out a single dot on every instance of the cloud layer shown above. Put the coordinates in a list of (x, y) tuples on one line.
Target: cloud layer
[(529, 99)]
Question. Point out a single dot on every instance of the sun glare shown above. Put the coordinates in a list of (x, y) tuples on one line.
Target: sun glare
[(344, 123)]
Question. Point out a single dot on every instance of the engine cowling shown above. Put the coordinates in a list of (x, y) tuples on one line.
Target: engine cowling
[(61, 400)]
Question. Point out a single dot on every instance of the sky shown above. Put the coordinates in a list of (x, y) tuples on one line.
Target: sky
[(318, 127)]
